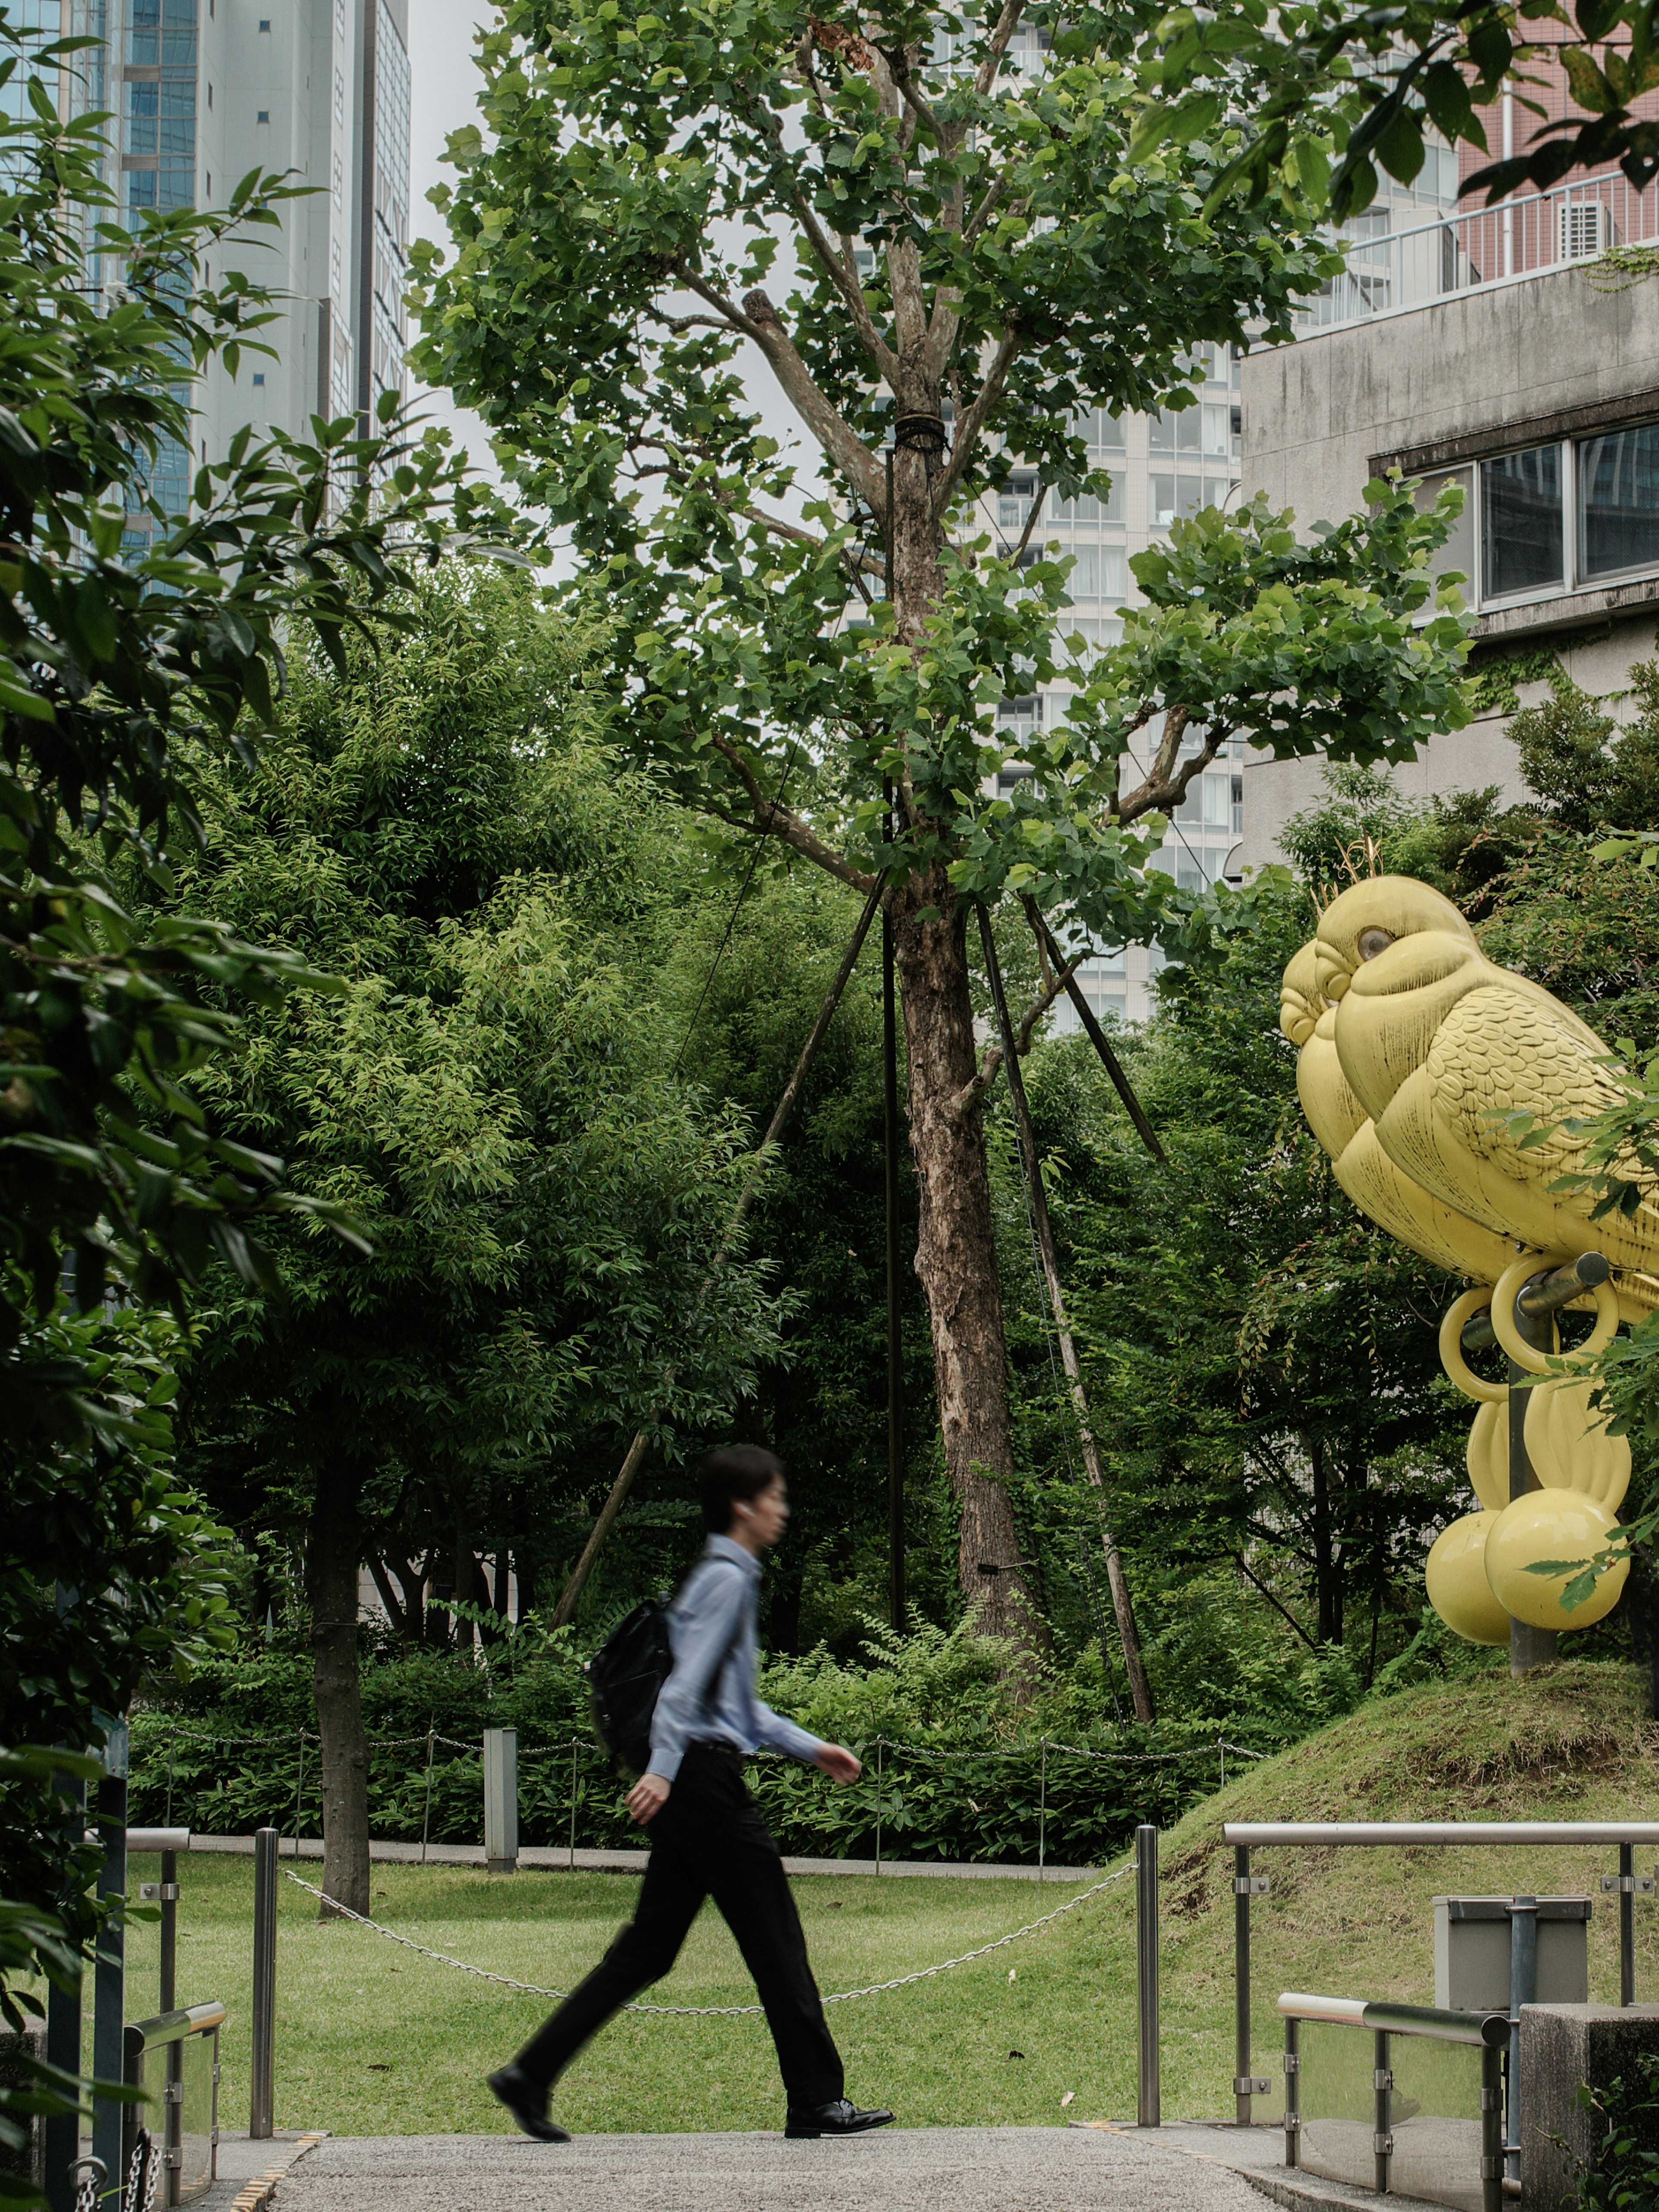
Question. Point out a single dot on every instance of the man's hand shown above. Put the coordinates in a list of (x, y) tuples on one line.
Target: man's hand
[(650, 1794), (839, 1765)]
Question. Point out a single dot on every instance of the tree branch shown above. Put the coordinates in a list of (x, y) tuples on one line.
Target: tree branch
[(850, 454), (1244, 1570), (772, 819), (972, 1092), (968, 426), (1007, 24)]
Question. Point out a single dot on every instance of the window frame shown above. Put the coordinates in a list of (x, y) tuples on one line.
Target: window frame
[(1574, 582)]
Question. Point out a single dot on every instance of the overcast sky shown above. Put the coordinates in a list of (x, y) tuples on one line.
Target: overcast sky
[(443, 96)]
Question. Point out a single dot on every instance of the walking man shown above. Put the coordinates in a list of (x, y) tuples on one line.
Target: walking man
[(706, 1837)]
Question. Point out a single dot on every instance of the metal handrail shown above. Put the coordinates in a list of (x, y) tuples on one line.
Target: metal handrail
[(1244, 1833), (165, 2027), (1490, 2029)]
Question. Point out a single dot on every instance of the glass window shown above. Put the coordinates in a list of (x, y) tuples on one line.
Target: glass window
[(1618, 500), (1174, 496), (1458, 552), (1521, 521), (1173, 432)]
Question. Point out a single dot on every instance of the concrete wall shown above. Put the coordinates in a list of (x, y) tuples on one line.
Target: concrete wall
[(1432, 386)]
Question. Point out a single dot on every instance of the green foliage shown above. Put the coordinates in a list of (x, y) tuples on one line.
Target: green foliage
[(1592, 772), (124, 673), (1622, 2173), (490, 1096)]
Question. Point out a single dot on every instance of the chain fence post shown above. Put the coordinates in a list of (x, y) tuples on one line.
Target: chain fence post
[(262, 2099), (1043, 1815), (574, 1742), (299, 1796), (501, 1780), (1148, 2112), (426, 1819), (877, 1804)]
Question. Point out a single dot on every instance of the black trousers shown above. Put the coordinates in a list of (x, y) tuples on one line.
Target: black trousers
[(708, 1841)]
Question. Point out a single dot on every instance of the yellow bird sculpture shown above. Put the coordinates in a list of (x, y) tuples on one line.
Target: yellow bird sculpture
[(1410, 1046)]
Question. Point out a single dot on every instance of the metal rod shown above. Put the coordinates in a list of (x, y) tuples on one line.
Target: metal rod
[(64, 2040), (1241, 1984), (1530, 1648), (572, 1804), (109, 1974), (1141, 1690), (1626, 1924), (636, 1451), (1096, 1035), (1523, 1990), (1148, 2102), (1543, 1296), (299, 1798), (879, 1739), (426, 1819), (897, 1595), (262, 2102), (1382, 2090), (168, 1989), (1441, 1831), (1492, 2129), (1292, 2089), (1043, 1815)]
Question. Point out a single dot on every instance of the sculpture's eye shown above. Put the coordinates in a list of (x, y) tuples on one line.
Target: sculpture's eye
[(1373, 941)]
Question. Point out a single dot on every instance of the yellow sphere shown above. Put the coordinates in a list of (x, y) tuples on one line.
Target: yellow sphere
[(1551, 1524), (1456, 1578)]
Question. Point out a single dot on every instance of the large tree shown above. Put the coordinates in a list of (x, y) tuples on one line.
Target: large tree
[(972, 259)]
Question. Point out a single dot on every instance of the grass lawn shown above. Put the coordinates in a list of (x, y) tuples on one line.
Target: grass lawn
[(356, 2056)]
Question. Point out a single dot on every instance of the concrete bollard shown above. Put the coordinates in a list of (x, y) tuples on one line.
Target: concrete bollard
[(1562, 2045), (500, 1756)]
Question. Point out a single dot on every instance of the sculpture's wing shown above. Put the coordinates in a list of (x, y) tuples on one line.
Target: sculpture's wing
[(1503, 1051)]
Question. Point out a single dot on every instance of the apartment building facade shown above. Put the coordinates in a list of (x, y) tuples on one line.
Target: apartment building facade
[(202, 92), (1490, 353)]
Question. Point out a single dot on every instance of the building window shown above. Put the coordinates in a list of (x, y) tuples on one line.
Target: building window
[(263, 115), (264, 22), (1618, 502), (1523, 543), (259, 376)]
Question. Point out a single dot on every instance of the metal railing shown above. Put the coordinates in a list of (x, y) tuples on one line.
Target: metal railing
[(1423, 2118), (1244, 1835), (171, 2165), (1390, 272)]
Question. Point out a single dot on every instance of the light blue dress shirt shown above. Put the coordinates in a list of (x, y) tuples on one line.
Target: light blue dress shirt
[(715, 1612)]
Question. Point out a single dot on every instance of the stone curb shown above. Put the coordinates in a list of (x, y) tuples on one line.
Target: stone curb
[(255, 2196), (1281, 2188)]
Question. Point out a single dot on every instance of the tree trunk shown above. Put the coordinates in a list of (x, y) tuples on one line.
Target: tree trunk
[(1328, 1572), (333, 1553), (957, 1261)]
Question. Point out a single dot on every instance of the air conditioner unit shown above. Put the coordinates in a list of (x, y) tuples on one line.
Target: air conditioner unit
[(1583, 228)]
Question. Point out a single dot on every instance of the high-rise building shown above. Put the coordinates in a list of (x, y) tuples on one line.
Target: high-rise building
[(202, 92)]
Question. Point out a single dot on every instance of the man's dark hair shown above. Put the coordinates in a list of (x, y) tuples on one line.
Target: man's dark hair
[(738, 1471)]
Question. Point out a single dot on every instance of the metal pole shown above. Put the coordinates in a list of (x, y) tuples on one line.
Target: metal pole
[(1382, 2140), (299, 1796), (1042, 1816), (173, 2110), (1627, 1923), (1528, 1647), (1242, 2081), (168, 1989), (1523, 1990), (572, 1804), (878, 1739), (63, 2043), (425, 1821), (262, 2102), (1491, 2128), (109, 2056), (896, 1596), (1293, 2088), (1148, 2113)]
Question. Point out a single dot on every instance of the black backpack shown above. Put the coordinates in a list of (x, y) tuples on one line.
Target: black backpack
[(625, 1678)]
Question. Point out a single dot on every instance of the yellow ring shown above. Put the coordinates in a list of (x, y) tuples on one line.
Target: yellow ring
[(1502, 1313), (1451, 1350)]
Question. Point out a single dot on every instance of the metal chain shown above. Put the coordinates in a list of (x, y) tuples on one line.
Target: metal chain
[(723, 2012)]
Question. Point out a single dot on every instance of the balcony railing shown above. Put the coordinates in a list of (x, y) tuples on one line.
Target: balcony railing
[(1391, 271)]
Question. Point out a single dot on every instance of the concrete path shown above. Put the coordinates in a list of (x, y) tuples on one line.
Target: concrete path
[(895, 2170)]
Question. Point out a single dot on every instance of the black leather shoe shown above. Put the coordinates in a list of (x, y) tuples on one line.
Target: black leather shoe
[(526, 2103), (840, 2117)]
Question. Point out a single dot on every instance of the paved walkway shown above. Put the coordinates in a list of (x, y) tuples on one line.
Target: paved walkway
[(896, 2170)]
